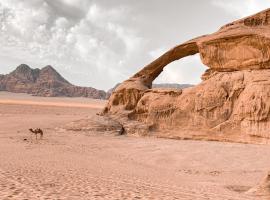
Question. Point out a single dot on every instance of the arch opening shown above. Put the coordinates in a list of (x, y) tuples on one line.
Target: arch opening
[(181, 73)]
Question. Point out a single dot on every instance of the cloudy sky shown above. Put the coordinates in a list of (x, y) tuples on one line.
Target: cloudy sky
[(99, 43)]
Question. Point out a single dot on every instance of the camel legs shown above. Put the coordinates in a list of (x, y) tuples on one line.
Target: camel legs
[(36, 132)]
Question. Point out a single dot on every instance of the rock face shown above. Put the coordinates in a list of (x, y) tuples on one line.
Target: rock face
[(262, 190), (157, 85), (45, 82), (231, 103)]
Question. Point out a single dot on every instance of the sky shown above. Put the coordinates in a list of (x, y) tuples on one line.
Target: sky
[(99, 43)]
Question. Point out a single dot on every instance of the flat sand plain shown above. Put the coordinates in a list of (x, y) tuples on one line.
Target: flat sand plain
[(81, 165)]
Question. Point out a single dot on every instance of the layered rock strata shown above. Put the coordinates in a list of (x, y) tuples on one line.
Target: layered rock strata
[(231, 103)]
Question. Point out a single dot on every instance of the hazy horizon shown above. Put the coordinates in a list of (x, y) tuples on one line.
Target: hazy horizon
[(100, 43)]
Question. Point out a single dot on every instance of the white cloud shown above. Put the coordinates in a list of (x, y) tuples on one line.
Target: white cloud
[(242, 8), (61, 23), (76, 3), (157, 53), (97, 44), (20, 19), (101, 42)]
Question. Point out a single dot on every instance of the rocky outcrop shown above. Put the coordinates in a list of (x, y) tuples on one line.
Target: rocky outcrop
[(44, 82), (262, 190), (1, 78), (157, 85), (231, 103)]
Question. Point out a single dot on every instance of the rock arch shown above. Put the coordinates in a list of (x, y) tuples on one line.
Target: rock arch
[(151, 71), (238, 57)]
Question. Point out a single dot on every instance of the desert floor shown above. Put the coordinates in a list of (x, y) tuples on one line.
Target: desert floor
[(80, 165)]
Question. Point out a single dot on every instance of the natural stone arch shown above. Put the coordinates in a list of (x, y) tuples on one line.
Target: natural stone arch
[(238, 57), (183, 73), (151, 71), (130, 91)]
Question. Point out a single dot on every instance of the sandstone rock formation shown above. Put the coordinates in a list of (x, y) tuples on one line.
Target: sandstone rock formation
[(45, 82), (231, 103), (157, 85), (262, 190)]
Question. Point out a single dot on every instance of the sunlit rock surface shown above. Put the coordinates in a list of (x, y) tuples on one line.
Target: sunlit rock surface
[(230, 104)]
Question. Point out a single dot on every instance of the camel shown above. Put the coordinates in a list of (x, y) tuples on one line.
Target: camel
[(36, 132)]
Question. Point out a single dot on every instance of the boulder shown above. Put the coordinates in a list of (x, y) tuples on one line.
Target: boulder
[(262, 190)]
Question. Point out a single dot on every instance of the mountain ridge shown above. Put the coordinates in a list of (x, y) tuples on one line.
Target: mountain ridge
[(44, 82)]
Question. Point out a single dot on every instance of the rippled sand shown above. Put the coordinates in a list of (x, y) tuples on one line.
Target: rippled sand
[(86, 165)]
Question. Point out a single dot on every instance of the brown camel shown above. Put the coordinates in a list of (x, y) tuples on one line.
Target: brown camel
[(36, 132)]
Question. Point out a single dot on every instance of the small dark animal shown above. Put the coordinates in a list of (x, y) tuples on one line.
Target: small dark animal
[(36, 132)]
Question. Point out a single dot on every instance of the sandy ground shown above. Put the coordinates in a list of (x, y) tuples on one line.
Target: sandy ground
[(80, 165)]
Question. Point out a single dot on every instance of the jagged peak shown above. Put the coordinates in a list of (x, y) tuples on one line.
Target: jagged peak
[(23, 67), (25, 72), (48, 67)]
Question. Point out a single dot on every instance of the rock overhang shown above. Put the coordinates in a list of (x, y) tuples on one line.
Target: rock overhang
[(219, 103)]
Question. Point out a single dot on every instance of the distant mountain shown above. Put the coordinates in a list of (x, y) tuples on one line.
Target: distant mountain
[(171, 85), (44, 82), (158, 85)]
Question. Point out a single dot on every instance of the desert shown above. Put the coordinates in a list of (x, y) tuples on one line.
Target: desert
[(91, 164), (125, 100)]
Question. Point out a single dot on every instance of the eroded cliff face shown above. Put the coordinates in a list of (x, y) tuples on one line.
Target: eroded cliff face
[(231, 103), (262, 190)]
